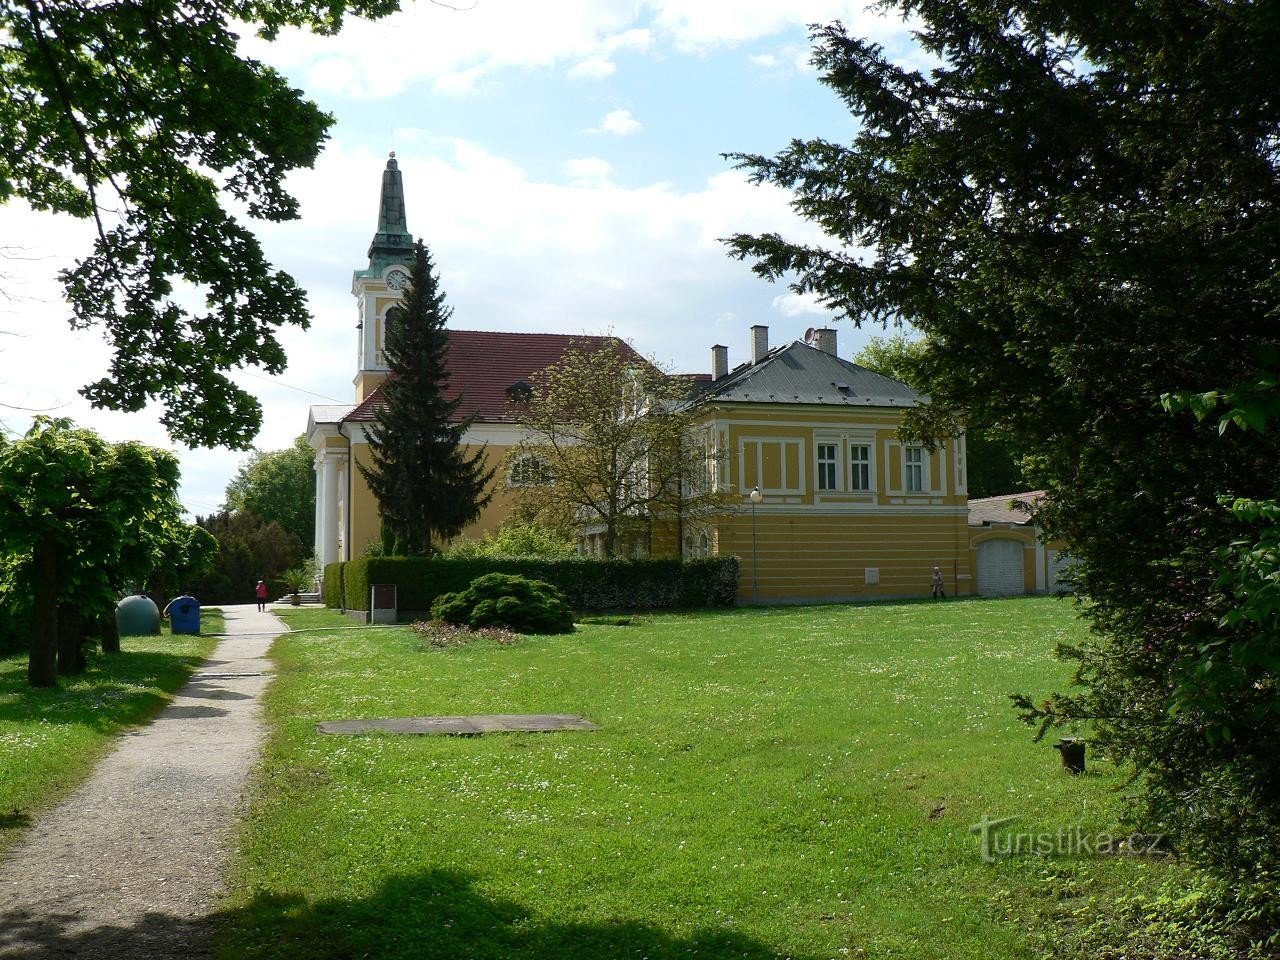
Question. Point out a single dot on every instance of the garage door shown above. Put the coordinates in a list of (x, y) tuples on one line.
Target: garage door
[(1059, 578), (1000, 568)]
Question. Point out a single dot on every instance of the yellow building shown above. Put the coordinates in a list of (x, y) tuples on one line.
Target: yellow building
[(485, 370), (1008, 552), (842, 507)]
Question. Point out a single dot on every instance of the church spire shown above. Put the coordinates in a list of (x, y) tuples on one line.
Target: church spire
[(392, 243)]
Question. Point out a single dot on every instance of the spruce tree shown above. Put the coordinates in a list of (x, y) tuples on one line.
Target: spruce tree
[(429, 487)]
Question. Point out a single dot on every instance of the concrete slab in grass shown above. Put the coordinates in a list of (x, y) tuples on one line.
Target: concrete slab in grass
[(462, 726)]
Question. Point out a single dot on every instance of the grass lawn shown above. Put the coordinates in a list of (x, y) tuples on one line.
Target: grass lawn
[(50, 739), (790, 782)]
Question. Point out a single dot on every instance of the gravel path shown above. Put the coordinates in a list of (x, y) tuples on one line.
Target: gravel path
[(131, 864)]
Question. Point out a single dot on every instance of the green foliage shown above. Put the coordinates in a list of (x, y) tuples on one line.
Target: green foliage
[(1078, 207), (1192, 917), (587, 583), (992, 462), (298, 579), (146, 118), (82, 520), (428, 487), (516, 538), (279, 485), (15, 606), (249, 549), (331, 588), (611, 442), (506, 600)]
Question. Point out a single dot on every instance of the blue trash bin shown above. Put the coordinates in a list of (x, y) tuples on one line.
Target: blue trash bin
[(184, 614)]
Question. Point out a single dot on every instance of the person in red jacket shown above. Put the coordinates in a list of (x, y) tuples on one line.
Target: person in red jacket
[(261, 591)]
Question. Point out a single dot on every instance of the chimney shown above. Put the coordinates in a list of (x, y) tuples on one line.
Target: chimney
[(719, 362), (759, 342), (824, 338)]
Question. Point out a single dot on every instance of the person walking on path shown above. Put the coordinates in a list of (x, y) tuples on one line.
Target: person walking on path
[(261, 591), (938, 592)]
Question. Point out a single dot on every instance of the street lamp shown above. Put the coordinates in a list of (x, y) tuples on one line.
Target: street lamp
[(756, 497)]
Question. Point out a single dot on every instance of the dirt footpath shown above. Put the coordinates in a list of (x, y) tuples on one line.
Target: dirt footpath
[(131, 864)]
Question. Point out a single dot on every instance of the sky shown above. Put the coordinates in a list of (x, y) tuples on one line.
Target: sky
[(562, 160)]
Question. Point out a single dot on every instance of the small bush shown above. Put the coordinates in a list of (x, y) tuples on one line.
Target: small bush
[(516, 538), (505, 600)]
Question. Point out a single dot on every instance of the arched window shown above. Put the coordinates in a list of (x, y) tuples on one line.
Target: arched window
[(393, 316), (530, 471)]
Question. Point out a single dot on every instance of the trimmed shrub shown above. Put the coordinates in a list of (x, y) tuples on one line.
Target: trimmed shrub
[(587, 584), (331, 591), (506, 600)]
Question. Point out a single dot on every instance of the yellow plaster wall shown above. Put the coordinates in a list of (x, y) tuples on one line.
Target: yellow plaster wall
[(807, 546), (803, 556), (366, 525)]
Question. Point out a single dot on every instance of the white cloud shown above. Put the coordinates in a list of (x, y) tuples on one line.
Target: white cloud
[(793, 304), (456, 51), (702, 24), (766, 61), (595, 68), (588, 168), (619, 123)]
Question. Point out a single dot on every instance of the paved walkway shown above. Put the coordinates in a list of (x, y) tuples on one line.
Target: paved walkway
[(131, 864)]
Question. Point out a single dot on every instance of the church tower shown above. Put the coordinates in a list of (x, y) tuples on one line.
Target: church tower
[(378, 288)]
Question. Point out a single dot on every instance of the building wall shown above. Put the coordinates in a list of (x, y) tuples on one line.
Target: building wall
[(366, 525), (851, 556), (1037, 572), (840, 543)]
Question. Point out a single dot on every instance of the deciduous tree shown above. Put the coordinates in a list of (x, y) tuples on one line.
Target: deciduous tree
[(1080, 207), (279, 485), (143, 116), (84, 519), (612, 443)]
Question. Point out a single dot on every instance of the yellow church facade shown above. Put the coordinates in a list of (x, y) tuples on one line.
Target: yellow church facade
[(832, 504)]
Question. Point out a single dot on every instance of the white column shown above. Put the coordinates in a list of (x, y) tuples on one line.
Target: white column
[(340, 516), (318, 540), (329, 489)]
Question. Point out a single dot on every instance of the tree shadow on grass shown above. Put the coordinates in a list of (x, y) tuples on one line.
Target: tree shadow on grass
[(433, 914), (114, 691)]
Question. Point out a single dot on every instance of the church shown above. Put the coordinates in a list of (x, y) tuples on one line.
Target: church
[(834, 505)]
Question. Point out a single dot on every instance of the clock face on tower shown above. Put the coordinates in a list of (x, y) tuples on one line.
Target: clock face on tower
[(397, 279)]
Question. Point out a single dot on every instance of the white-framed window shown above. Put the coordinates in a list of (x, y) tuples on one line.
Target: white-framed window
[(828, 460), (913, 469), (859, 466), (530, 471)]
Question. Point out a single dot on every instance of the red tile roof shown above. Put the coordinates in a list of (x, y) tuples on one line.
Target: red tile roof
[(483, 365)]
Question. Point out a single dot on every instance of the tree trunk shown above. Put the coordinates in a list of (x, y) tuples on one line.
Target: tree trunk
[(70, 640), (42, 662), (109, 631)]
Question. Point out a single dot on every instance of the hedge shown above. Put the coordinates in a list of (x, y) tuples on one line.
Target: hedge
[(331, 589), (588, 584)]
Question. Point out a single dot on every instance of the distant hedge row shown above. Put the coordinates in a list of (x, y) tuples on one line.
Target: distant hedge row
[(588, 584)]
